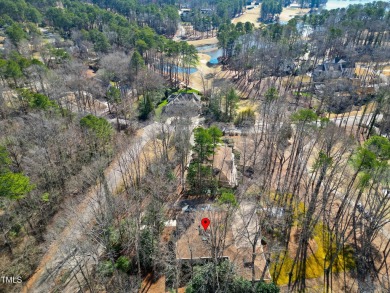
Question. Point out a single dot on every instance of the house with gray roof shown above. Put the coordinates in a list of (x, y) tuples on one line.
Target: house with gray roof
[(183, 104)]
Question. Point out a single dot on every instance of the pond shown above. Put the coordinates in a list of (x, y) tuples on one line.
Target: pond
[(180, 69), (212, 50)]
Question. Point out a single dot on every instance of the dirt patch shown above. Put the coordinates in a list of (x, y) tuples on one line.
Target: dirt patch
[(166, 234), (90, 73), (148, 286)]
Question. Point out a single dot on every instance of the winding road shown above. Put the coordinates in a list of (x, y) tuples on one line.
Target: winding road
[(66, 252), (62, 252)]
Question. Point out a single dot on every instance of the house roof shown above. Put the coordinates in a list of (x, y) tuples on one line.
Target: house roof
[(224, 162), (195, 244), (332, 67), (184, 97), (183, 103), (335, 68)]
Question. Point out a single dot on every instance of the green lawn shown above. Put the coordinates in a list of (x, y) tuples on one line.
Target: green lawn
[(160, 107), (188, 91)]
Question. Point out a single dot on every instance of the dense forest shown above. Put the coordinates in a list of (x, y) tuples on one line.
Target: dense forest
[(287, 152)]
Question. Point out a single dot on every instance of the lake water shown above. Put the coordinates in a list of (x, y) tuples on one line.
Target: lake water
[(334, 4)]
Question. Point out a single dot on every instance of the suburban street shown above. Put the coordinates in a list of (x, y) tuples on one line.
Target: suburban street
[(62, 249)]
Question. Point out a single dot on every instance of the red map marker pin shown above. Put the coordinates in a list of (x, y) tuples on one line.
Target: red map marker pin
[(205, 223)]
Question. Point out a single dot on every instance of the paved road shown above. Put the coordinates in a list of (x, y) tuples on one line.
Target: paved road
[(62, 250)]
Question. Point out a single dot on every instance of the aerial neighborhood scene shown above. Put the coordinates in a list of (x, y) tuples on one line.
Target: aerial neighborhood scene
[(194, 146)]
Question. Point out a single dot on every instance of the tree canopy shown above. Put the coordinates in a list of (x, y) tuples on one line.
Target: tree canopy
[(13, 185)]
